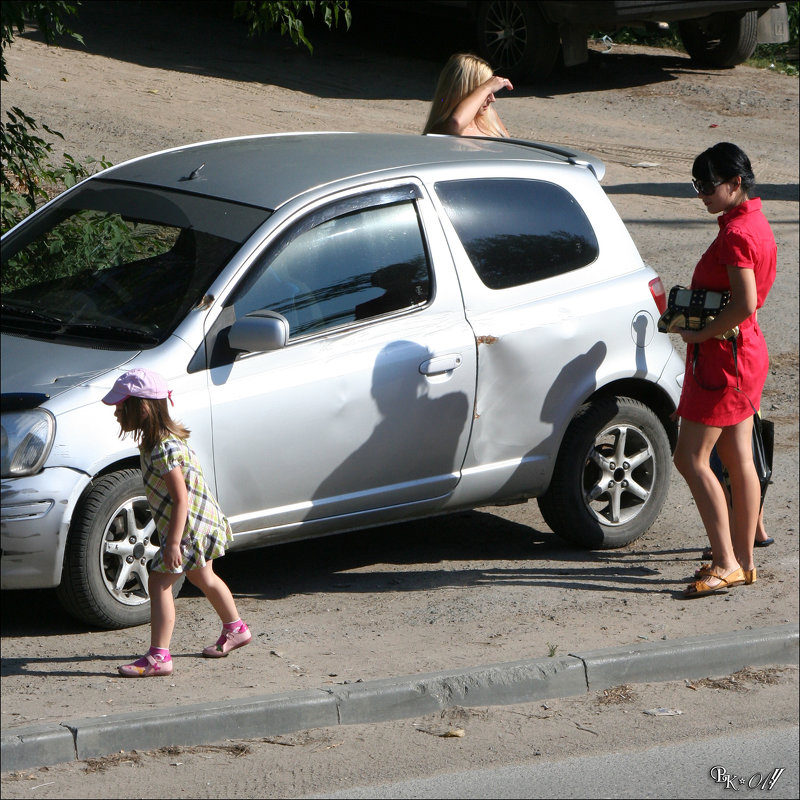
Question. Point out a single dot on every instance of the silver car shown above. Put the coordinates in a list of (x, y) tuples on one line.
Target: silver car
[(357, 328)]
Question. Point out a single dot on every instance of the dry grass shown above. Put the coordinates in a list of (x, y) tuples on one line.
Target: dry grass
[(134, 757), (104, 763), (616, 695), (738, 681)]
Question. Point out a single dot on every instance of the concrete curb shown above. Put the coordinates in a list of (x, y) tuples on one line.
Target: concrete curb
[(399, 698)]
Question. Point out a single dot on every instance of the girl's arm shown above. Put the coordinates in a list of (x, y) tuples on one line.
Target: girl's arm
[(744, 298), (466, 111), (177, 518)]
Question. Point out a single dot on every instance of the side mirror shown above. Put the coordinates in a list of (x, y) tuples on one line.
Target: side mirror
[(259, 331)]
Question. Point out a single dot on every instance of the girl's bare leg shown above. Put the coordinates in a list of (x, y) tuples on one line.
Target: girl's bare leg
[(162, 608), (695, 442), (216, 590)]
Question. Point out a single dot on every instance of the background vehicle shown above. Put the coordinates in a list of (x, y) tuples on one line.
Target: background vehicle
[(522, 39), (358, 329)]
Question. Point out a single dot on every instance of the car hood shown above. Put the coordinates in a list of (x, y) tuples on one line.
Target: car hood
[(50, 368)]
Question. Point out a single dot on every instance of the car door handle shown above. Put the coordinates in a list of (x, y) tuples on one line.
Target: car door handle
[(441, 364)]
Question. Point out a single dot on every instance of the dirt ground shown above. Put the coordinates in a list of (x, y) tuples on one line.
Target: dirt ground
[(482, 587)]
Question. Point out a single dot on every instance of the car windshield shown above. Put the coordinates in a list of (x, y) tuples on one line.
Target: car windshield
[(116, 264)]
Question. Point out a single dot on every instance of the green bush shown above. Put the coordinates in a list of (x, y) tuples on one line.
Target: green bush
[(286, 15), (781, 57), (29, 176)]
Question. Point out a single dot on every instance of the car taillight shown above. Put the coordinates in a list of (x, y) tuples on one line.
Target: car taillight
[(659, 295)]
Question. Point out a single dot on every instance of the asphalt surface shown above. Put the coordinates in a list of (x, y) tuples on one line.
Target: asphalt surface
[(400, 698), (657, 772)]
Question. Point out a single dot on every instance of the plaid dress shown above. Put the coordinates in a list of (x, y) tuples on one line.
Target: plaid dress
[(207, 533)]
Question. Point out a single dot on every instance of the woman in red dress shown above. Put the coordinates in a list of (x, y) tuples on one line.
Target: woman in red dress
[(720, 393)]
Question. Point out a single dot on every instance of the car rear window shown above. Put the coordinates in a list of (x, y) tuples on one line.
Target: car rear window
[(517, 231)]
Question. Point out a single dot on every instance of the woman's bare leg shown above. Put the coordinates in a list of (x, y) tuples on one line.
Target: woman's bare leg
[(735, 449), (695, 442)]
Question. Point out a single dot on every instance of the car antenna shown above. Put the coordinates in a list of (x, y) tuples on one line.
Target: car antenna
[(195, 173)]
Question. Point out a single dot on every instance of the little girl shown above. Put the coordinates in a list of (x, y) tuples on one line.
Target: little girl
[(191, 527)]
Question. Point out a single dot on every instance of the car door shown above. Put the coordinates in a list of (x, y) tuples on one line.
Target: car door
[(370, 403)]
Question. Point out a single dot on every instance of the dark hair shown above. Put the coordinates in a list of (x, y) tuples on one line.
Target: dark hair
[(724, 161)]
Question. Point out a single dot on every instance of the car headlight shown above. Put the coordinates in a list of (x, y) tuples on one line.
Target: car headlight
[(27, 437)]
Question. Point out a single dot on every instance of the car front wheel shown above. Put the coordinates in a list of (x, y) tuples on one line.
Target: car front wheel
[(112, 541), (611, 475)]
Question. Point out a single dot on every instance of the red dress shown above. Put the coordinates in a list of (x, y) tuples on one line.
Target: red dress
[(712, 392)]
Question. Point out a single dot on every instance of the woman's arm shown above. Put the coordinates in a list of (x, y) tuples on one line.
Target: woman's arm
[(744, 298), (466, 111), (177, 518)]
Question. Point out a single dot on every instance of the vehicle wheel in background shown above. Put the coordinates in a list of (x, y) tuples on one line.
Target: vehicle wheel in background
[(516, 39), (611, 475), (721, 40), (111, 543)]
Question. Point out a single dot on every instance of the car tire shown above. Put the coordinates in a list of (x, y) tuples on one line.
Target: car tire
[(516, 39), (595, 501), (111, 543), (721, 40)]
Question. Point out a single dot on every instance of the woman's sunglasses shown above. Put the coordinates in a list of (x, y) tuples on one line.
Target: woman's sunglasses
[(705, 187)]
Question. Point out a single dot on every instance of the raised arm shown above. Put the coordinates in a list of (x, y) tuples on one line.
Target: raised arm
[(466, 111)]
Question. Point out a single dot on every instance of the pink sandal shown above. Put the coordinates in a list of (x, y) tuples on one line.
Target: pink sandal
[(229, 640), (146, 667)]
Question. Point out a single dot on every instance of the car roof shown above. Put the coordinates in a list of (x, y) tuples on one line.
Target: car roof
[(268, 170)]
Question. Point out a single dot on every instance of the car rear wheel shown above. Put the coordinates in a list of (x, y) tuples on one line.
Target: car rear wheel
[(516, 39), (112, 541), (722, 40), (611, 476)]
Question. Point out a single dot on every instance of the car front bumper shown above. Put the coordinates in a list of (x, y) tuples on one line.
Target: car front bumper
[(34, 521)]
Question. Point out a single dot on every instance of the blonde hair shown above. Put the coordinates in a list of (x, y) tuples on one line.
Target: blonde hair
[(462, 74)]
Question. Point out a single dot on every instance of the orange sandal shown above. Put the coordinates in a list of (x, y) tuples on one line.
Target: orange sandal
[(706, 571), (700, 588)]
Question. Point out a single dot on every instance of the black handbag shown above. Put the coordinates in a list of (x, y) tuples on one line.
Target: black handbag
[(763, 446)]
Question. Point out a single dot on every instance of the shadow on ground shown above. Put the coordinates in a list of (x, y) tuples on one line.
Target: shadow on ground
[(475, 548), (362, 63)]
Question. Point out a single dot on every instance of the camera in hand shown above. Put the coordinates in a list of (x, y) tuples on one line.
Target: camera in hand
[(693, 309)]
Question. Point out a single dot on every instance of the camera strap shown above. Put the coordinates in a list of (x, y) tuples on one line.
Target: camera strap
[(738, 387), (695, 357)]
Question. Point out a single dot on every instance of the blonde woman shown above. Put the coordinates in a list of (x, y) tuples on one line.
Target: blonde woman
[(462, 104)]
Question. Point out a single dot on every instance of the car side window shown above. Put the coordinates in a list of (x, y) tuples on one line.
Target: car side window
[(345, 268), (517, 231)]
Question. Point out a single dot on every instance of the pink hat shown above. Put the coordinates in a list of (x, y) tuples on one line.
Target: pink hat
[(137, 383)]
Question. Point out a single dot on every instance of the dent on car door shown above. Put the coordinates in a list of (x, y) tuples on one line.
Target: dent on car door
[(542, 336), (370, 403)]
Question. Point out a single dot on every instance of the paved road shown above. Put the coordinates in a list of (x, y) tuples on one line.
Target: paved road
[(748, 764)]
